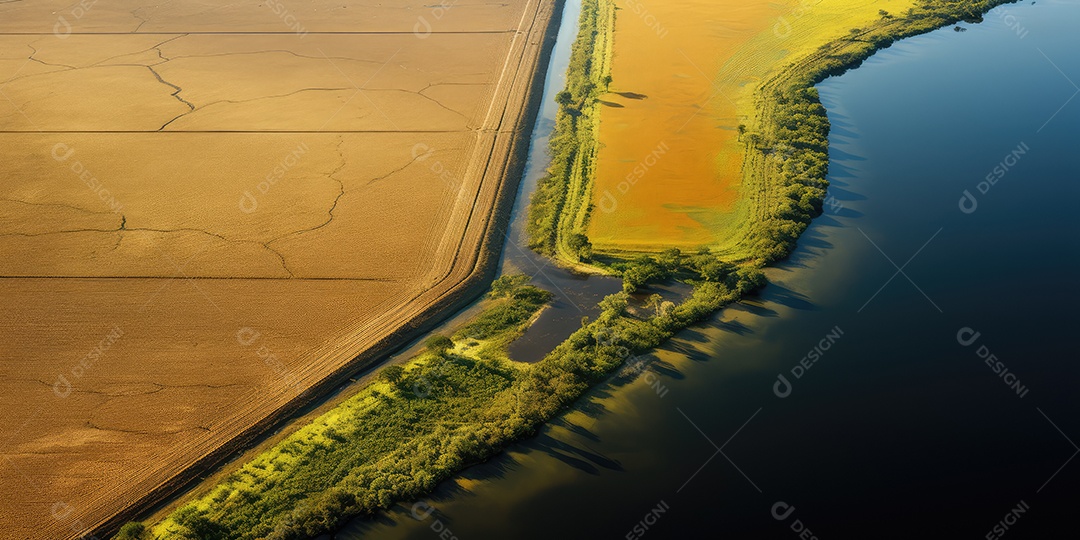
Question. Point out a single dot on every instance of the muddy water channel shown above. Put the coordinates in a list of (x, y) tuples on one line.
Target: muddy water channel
[(910, 372)]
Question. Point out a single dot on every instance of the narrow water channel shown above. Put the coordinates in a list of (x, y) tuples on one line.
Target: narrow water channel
[(892, 427), (576, 295)]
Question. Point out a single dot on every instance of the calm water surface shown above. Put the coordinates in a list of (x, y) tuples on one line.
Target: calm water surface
[(896, 430)]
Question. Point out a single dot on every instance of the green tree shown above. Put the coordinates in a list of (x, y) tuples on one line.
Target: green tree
[(195, 525), (393, 374), (715, 270), (131, 531), (614, 304), (580, 245), (439, 344), (654, 302), (507, 284), (671, 259)]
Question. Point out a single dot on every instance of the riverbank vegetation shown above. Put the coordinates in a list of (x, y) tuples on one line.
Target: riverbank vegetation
[(414, 425), (779, 132), (787, 151), (559, 208), (462, 400), (459, 402)]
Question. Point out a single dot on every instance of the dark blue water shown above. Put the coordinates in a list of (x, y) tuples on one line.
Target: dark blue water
[(896, 429)]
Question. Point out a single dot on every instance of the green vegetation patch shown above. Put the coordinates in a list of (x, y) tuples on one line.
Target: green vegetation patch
[(416, 424), (462, 400), (787, 156), (455, 404), (559, 208)]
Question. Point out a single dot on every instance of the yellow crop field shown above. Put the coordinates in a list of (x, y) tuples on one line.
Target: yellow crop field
[(684, 78)]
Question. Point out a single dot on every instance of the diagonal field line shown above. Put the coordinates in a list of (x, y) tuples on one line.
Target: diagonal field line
[(1057, 68), (719, 450), (180, 270), (692, 476), (1077, 450), (15, 75), (740, 429), (900, 270), (1066, 101), (192, 281), (1058, 111), (20, 111), (740, 471)]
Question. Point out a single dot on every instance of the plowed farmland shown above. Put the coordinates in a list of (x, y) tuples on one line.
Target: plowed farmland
[(210, 213)]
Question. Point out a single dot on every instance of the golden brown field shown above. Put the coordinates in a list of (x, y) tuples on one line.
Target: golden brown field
[(208, 210), (670, 168)]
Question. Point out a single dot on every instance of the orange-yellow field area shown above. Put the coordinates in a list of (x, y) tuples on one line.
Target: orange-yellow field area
[(684, 72), (207, 209)]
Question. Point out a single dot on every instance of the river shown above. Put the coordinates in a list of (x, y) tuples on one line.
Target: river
[(895, 425)]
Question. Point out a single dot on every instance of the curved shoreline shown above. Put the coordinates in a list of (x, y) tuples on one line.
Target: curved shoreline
[(708, 301), (763, 173), (469, 273), (762, 235)]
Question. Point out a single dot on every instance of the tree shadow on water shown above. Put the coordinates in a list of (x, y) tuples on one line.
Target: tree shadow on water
[(667, 369), (838, 155), (757, 307), (689, 351), (582, 459), (789, 298), (842, 131), (735, 327), (576, 429), (841, 194), (837, 171)]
